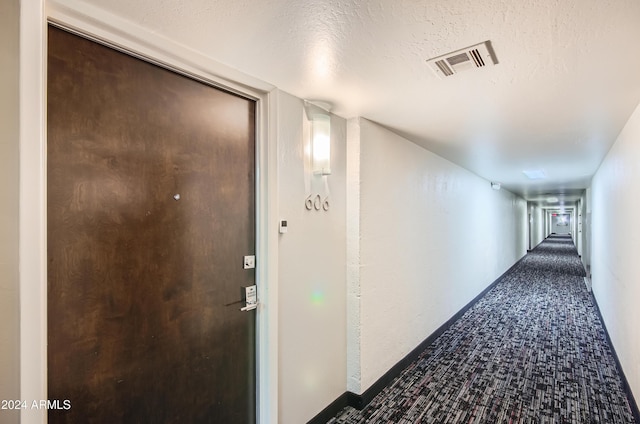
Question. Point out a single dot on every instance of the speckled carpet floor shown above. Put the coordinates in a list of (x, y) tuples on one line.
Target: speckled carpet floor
[(532, 350)]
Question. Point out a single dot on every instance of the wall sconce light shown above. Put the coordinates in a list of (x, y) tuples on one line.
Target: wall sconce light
[(495, 186), (318, 114)]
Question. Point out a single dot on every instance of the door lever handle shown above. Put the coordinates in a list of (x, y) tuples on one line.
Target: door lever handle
[(249, 307)]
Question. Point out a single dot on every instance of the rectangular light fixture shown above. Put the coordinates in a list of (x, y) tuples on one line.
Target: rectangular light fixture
[(318, 114), (535, 174)]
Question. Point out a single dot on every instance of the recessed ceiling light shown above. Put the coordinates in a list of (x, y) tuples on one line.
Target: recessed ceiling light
[(552, 199), (535, 174)]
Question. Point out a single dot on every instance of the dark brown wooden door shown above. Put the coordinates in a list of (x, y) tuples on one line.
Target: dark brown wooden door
[(151, 209)]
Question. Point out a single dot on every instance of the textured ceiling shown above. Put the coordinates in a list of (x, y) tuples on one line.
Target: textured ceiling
[(567, 80)]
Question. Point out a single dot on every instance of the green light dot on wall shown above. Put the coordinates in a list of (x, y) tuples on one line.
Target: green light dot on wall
[(317, 297)]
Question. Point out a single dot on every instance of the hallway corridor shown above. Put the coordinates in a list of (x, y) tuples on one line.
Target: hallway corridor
[(532, 350)]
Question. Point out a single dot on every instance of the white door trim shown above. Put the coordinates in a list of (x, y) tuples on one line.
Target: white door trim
[(95, 23)]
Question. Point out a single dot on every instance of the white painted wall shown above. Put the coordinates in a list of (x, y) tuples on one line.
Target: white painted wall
[(9, 210), (585, 210), (576, 218), (547, 223), (432, 236), (579, 225), (615, 246), (537, 225), (312, 269)]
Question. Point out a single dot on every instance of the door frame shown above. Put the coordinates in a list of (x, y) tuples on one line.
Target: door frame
[(106, 28)]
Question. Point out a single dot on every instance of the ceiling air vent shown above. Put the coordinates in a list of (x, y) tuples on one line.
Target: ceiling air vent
[(477, 56)]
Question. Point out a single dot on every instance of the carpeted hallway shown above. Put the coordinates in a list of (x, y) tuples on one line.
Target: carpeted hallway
[(532, 350)]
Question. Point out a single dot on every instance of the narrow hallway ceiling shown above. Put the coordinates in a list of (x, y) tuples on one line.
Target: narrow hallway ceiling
[(567, 78)]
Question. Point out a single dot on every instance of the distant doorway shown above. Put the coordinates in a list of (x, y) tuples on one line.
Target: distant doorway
[(561, 223)]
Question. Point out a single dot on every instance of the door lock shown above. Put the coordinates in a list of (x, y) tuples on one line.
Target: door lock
[(250, 298)]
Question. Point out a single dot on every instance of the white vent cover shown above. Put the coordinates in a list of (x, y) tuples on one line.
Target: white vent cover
[(477, 56)]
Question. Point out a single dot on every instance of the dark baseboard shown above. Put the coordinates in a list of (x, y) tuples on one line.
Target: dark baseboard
[(625, 383), (366, 397), (361, 401), (333, 409)]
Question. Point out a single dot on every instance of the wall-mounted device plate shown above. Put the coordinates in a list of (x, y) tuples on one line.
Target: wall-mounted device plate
[(283, 226), (249, 262)]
